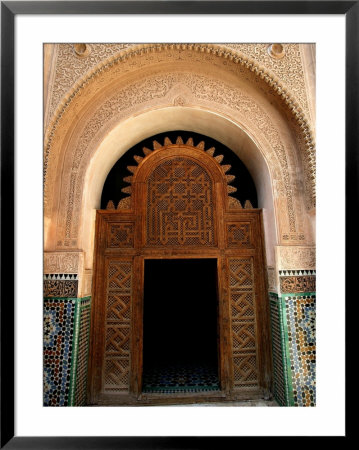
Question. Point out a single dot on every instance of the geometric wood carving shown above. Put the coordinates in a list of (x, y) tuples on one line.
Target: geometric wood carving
[(238, 234), (241, 285), (120, 235), (118, 327), (180, 204), (179, 208)]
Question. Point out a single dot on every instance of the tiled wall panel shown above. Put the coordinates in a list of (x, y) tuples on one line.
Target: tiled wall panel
[(59, 316), (282, 388), (300, 315), (66, 343), (293, 338)]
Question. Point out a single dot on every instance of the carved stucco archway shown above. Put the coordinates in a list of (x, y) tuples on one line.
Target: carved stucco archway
[(107, 109), (210, 89), (133, 130)]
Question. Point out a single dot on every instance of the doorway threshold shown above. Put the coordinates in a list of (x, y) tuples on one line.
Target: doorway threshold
[(182, 398), (247, 398)]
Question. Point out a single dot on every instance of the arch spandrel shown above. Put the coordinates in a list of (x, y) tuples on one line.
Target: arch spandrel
[(115, 68), (261, 55)]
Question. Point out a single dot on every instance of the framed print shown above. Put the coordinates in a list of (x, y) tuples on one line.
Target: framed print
[(167, 260)]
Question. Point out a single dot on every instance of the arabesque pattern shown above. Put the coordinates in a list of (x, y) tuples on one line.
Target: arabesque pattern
[(180, 204), (238, 234), (121, 235)]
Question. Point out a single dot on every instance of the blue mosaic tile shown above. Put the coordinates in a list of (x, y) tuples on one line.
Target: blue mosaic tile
[(59, 317), (300, 314)]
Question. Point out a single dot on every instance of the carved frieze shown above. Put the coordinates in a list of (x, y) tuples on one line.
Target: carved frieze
[(72, 66), (297, 284), (293, 237), (62, 262), (60, 288), (295, 257)]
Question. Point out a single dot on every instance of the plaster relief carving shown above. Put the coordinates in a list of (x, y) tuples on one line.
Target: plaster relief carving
[(295, 258), (207, 91), (64, 262), (289, 69), (177, 52), (163, 89), (70, 68), (179, 101)]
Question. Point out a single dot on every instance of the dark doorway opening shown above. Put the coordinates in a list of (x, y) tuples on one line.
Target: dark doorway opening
[(180, 335)]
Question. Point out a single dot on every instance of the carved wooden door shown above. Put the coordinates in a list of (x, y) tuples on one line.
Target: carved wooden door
[(179, 207)]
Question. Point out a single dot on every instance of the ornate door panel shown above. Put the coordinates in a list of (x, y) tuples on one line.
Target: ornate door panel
[(117, 362), (242, 299), (179, 207)]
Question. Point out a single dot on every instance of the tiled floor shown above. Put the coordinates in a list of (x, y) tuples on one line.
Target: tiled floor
[(184, 378)]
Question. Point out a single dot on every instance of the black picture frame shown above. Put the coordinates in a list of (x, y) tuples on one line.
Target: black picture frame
[(9, 10)]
